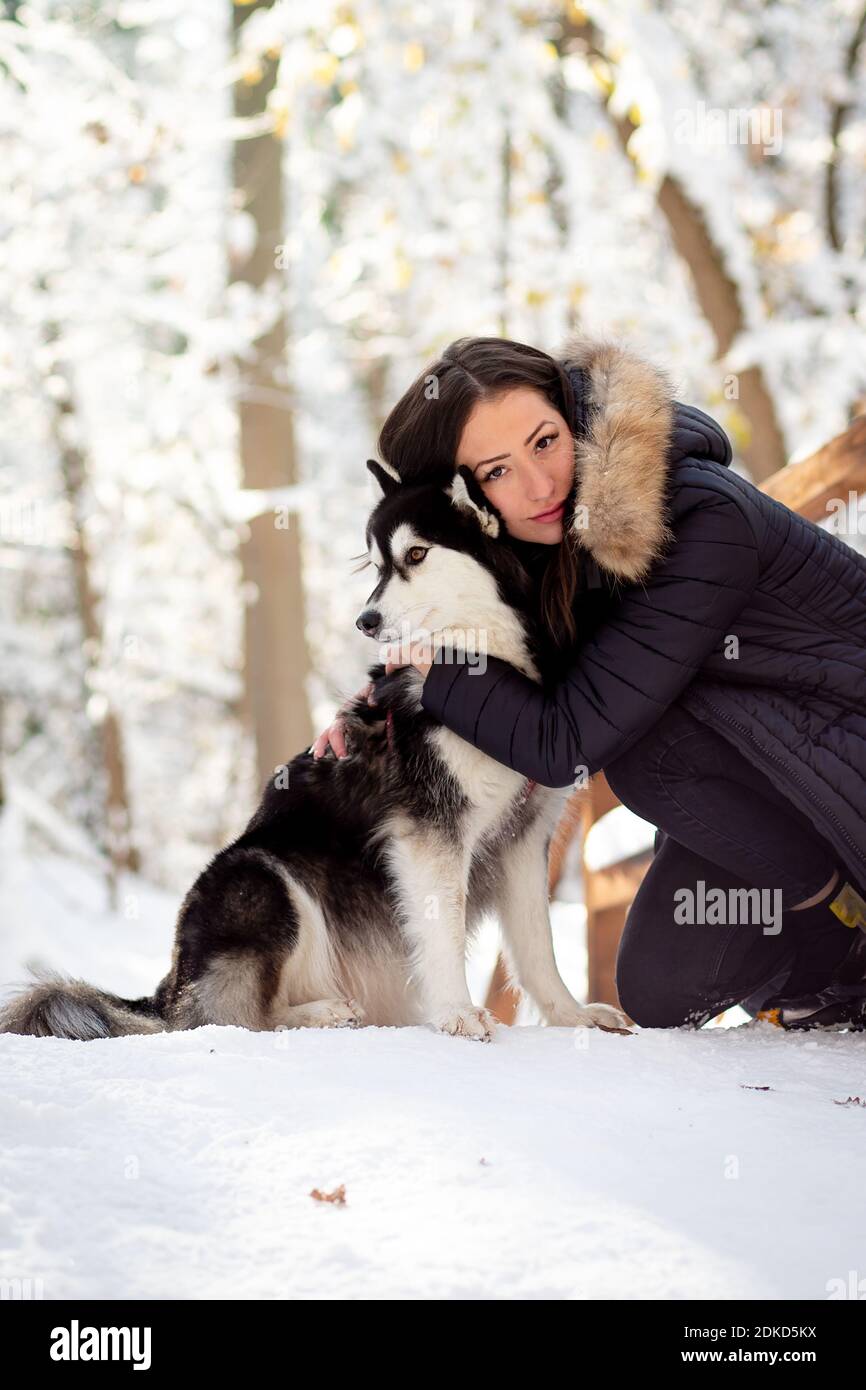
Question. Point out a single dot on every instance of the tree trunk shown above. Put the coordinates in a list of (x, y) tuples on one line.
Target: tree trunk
[(716, 293), (118, 842), (275, 705)]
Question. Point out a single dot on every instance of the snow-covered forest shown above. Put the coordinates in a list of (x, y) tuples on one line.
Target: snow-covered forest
[(232, 235)]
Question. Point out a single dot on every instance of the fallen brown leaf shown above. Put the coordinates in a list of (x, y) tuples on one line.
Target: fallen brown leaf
[(338, 1195)]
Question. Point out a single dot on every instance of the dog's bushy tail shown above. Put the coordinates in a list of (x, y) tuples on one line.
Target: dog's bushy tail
[(58, 1007)]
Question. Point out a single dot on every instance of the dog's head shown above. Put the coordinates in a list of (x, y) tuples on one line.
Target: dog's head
[(445, 572)]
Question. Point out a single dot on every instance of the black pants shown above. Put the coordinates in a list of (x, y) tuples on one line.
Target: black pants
[(687, 952)]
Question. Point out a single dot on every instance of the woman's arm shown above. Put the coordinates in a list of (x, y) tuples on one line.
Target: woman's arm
[(628, 672)]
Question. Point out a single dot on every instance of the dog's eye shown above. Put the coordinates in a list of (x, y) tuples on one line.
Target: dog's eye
[(415, 554)]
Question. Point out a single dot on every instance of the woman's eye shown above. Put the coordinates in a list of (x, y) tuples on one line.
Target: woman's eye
[(496, 473), (415, 554)]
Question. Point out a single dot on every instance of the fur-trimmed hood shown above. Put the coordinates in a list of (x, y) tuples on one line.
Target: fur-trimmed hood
[(628, 431)]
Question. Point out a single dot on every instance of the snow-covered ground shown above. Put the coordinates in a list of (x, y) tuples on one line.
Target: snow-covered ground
[(708, 1164)]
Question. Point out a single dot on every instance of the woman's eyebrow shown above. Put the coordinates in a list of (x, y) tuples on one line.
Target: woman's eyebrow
[(505, 456)]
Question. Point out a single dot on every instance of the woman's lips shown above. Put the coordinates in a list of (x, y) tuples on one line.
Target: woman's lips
[(552, 515)]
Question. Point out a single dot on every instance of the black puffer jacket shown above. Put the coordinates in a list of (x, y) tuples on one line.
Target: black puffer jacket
[(707, 592)]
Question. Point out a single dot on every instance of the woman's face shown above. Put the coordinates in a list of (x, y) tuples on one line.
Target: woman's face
[(521, 451)]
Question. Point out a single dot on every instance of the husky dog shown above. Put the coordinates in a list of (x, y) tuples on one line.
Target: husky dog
[(351, 893)]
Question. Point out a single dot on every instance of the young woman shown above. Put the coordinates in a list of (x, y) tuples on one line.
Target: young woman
[(714, 668)]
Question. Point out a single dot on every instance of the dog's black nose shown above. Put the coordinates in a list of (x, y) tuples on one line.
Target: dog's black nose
[(369, 622)]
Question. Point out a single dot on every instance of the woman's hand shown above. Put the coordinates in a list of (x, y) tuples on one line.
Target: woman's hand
[(333, 736), (417, 654)]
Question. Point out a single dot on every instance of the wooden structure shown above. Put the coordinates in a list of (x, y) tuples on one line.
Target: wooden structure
[(837, 472)]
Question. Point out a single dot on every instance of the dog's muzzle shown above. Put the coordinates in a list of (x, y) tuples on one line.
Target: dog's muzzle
[(369, 622)]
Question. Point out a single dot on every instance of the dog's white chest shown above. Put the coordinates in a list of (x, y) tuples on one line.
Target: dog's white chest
[(490, 786)]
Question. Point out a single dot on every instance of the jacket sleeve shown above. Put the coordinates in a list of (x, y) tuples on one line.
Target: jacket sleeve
[(631, 669)]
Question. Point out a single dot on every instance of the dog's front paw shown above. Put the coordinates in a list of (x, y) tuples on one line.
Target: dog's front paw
[(603, 1016), (470, 1022)]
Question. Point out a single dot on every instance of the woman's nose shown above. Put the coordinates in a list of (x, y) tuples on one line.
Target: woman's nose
[(539, 485)]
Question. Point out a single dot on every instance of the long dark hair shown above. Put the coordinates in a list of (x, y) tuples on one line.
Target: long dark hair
[(421, 435)]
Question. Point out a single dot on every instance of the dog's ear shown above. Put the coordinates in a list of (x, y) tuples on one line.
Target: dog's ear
[(464, 492), (387, 477)]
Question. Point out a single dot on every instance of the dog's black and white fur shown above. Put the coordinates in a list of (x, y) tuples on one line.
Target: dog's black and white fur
[(350, 895)]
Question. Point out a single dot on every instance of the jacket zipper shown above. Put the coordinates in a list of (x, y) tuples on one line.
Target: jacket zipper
[(766, 752)]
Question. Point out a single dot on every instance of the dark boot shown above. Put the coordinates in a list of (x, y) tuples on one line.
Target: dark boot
[(841, 1002)]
